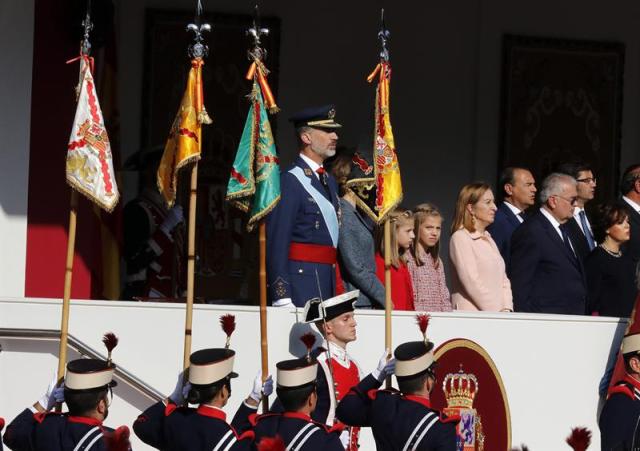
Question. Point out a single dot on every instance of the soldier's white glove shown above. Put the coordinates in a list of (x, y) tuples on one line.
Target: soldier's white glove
[(53, 395), (385, 367), (284, 302), (345, 438), (174, 217), (260, 388), (180, 391)]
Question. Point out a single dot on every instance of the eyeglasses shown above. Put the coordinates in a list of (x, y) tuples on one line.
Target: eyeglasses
[(571, 200), (587, 180)]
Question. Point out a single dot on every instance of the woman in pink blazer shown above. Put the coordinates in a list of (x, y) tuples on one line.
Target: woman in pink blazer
[(479, 279)]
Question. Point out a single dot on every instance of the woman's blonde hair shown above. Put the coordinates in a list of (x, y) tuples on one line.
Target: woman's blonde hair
[(420, 214), (469, 195), (398, 217)]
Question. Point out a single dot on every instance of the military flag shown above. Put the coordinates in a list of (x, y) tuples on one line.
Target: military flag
[(388, 193), (184, 142), (254, 184), (89, 165)]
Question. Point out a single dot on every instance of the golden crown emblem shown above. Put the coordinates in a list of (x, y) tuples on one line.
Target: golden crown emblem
[(460, 389)]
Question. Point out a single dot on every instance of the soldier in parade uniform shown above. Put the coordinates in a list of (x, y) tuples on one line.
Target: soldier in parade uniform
[(296, 389), (168, 426), (302, 230), (403, 419), (620, 418), (153, 240), (339, 372), (87, 394)]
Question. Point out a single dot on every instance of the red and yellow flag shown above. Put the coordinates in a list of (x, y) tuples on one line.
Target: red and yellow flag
[(89, 168), (184, 142), (385, 159)]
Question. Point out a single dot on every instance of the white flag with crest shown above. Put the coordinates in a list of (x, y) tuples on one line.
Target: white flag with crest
[(89, 161)]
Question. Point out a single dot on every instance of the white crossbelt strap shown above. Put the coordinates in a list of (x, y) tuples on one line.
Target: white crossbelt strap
[(92, 442), (293, 444), (326, 208), (85, 437), (415, 447), (305, 438), (417, 429), (223, 441)]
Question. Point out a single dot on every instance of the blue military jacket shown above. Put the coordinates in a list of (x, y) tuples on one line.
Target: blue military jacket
[(183, 428), (62, 432), (298, 431), (298, 218), (620, 418), (398, 421)]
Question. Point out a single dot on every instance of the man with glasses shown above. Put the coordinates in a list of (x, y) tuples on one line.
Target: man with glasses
[(546, 274), (630, 190), (87, 394), (579, 227)]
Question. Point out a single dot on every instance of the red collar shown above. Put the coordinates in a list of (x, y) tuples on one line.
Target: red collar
[(298, 415), (632, 380), (85, 420), (211, 412), (419, 399)]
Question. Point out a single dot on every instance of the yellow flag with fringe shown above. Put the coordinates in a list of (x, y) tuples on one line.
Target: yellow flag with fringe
[(184, 142)]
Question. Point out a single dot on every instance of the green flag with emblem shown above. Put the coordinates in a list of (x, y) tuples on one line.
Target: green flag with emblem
[(254, 184)]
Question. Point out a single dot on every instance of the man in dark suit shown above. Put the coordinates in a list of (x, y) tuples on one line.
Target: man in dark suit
[(630, 190), (579, 227), (302, 230), (546, 276), (519, 193)]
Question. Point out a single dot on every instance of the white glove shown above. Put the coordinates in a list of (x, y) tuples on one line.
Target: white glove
[(385, 367), (284, 302), (53, 395), (174, 217), (344, 438), (180, 391), (260, 388)]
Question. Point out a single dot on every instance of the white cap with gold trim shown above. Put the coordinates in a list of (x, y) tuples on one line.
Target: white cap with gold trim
[(208, 366), (631, 343), (89, 374)]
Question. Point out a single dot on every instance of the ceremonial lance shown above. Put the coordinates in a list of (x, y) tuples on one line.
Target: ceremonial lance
[(254, 182), (183, 147), (386, 166), (89, 168)]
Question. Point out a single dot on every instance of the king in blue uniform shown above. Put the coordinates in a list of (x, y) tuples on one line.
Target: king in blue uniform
[(403, 419), (86, 392), (302, 230), (167, 425), (620, 418)]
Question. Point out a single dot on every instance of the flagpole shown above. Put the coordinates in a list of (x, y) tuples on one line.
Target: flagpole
[(198, 50), (71, 235), (264, 343), (191, 260), (64, 323), (388, 304)]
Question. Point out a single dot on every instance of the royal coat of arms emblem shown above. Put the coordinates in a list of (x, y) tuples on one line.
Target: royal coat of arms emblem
[(460, 390)]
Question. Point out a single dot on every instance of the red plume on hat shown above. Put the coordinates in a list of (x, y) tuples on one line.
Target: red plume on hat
[(422, 320), (309, 339), (118, 440), (271, 444), (580, 439), (228, 324), (110, 341)]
